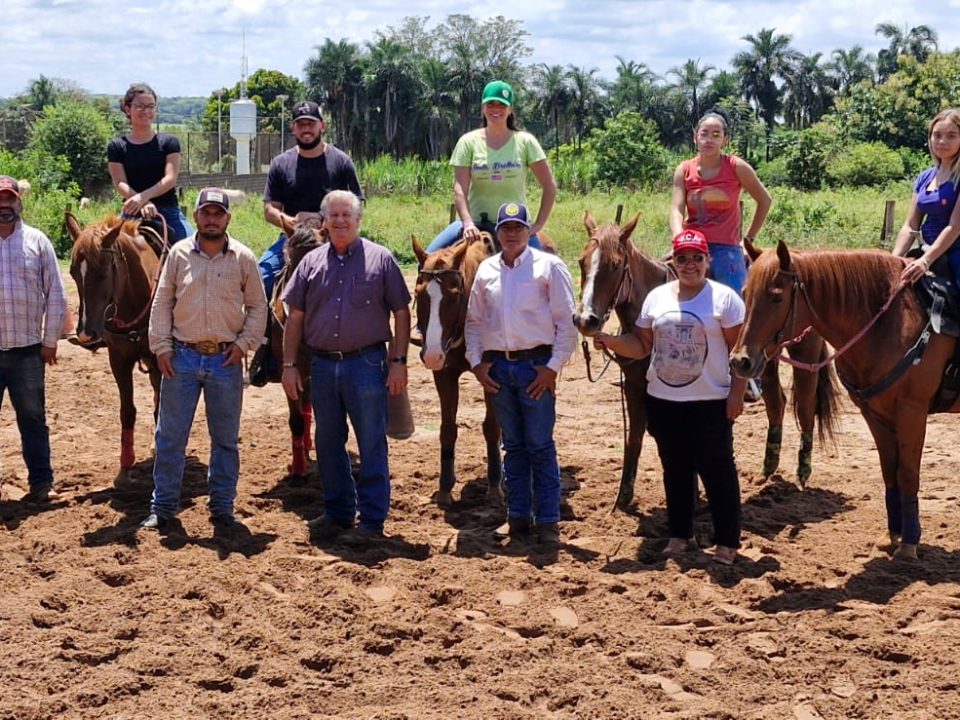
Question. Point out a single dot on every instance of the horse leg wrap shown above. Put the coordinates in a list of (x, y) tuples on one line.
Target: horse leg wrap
[(298, 466), (910, 506), (127, 454), (805, 459), (448, 470), (627, 479), (894, 514), (771, 456), (307, 413)]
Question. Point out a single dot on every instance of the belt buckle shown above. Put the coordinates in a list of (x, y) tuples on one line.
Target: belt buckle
[(207, 347), (509, 356), (337, 355)]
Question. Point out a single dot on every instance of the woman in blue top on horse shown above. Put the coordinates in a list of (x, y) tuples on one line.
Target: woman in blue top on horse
[(934, 211)]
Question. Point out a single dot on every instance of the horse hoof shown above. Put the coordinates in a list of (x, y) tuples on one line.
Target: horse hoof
[(495, 495), (443, 499), (887, 542), (906, 551)]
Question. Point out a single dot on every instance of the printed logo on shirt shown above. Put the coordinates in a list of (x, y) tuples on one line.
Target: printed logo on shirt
[(680, 348)]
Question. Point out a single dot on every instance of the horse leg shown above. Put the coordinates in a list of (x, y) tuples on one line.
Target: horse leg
[(774, 401), (122, 367), (306, 410), (448, 389), (298, 463), (491, 434), (804, 407), (911, 432), (635, 391), (886, 441)]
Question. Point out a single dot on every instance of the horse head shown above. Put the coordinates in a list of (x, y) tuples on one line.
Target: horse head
[(772, 311), (110, 264), (441, 294), (604, 272)]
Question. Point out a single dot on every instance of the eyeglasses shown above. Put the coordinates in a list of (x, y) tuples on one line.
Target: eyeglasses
[(710, 134), (695, 258), (144, 108)]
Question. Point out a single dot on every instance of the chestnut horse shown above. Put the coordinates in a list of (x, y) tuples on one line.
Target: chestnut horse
[(441, 294), (855, 300), (116, 271), (301, 239), (615, 276)]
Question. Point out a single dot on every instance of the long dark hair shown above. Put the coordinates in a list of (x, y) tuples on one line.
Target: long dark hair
[(511, 120)]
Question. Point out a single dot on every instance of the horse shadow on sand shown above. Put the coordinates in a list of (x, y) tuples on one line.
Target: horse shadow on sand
[(303, 496), (14, 512), (779, 505), (130, 496), (474, 518)]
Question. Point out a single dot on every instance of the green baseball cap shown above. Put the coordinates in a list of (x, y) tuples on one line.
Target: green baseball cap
[(498, 91)]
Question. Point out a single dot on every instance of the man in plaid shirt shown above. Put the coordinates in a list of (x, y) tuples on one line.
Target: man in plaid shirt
[(33, 306)]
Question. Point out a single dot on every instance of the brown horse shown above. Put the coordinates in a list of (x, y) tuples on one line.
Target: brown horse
[(116, 271), (855, 300), (615, 276), (301, 239), (441, 294)]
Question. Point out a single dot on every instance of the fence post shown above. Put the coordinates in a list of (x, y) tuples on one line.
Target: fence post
[(887, 230), (453, 212), (619, 213)]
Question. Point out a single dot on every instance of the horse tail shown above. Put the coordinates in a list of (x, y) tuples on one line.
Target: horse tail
[(827, 406)]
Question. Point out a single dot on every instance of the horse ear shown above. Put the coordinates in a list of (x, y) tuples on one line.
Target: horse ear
[(418, 250), (459, 253), (73, 225), (784, 254), (111, 237), (627, 230), (588, 222), (753, 252)]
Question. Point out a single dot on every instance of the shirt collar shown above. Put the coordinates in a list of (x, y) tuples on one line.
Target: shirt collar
[(196, 244), (522, 259)]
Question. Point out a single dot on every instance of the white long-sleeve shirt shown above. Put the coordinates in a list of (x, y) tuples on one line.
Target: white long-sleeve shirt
[(521, 307)]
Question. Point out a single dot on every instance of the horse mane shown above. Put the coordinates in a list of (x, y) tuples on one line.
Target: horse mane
[(88, 244)]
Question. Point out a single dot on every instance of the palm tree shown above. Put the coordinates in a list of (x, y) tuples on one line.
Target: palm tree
[(333, 76), (553, 96), (918, 42), (691, 79), (585, 90), (440, 110), (848, 67), (808, 92), (633, 86), (759, 68), (393, 74)]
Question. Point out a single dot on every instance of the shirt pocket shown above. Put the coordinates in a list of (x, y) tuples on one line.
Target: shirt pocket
[(363, 294)]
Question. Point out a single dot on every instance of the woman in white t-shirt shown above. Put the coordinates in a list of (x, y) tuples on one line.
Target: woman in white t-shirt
[(490, 168), (689, 326)]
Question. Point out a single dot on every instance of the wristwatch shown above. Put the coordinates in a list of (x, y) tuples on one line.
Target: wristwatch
[(401, 359), (289, 365)]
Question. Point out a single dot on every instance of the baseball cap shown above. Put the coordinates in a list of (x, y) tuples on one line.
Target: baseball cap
[(8, 184), (213, 196), (513, 212), (498, 91), (690, 240), (307, 109)]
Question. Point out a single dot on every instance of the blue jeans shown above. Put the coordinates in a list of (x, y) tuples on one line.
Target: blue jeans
[(454, 231), (728, 266), (356, 388), (176, 222), (271, 263), (222, 389), (531, 472), (22, 373)]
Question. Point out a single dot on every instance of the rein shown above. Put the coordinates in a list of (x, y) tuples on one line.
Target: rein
[(125, 325), (817, 366)]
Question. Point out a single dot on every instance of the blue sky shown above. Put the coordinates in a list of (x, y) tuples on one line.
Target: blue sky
[(186, 47)]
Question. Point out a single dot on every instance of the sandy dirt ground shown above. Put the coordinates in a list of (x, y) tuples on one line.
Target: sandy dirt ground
[(98, 620)]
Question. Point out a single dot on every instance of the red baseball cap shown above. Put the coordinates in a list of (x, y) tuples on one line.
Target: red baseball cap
[(690, 240), (8, 184)]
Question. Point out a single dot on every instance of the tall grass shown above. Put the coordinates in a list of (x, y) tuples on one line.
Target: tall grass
[(396, 211)]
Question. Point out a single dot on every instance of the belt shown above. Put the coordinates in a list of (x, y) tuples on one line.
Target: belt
[(22, 350), (345, 354), (534, 353), (206, 347)]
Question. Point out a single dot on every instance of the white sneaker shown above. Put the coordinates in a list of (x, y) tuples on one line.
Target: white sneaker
[(752, 393)]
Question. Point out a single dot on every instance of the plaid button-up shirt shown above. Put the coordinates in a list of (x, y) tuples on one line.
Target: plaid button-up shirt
[(33, 303)]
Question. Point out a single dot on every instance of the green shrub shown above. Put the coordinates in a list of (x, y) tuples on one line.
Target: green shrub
[(76, 131), (914, 161), (629, 153), (774, 173), (807, 155), (871, 163)]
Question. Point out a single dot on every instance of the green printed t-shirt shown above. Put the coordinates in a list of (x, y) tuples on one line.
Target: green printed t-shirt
[(496, 176)]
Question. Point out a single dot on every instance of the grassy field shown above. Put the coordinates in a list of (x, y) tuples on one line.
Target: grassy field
[(830, 218)]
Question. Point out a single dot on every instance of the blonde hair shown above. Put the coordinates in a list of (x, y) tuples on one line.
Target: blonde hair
[(951, 115)]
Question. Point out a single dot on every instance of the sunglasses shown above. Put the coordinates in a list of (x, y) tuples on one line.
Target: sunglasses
[(695, 258)]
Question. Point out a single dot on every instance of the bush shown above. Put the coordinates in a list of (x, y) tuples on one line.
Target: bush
[(871, 163), (76, 131), (914, 161), (807, 155), (629, 153), (774, 173)]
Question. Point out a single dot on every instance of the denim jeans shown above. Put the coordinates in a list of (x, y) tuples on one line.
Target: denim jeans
[(222, 389), (728, 266), (356, 388), (531, 472), (22, 374), (271, 263), (176, 222), (454, 231)]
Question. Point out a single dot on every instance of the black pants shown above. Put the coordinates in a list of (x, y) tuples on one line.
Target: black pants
[(696, 438)]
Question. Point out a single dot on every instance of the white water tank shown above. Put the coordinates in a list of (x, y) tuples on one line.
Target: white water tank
[(243, 128)]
